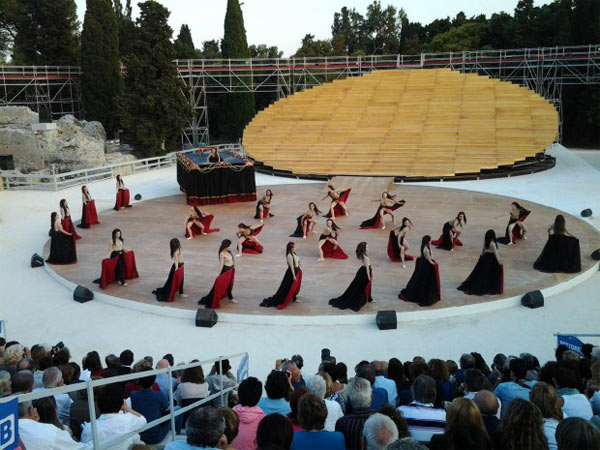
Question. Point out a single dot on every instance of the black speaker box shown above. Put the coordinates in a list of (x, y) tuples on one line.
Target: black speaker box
[(386, 320), (206, 318), (138, 197), (596, 255), (586, 212), (36, 260), (82, 294), (533, 299)]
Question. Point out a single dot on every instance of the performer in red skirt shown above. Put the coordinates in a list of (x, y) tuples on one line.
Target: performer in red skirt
[(561, 252), (120, 265), (292, 281), (62, 244), (328, 243), (306, 222), (263, 206), (387, 205), (247, 240), (224, 283), (488, 275), (198, 222), (451, 232), (358, 292), (174, 281), (423, 287), (122, 200), (516, 228), (67, 223), (338, 202), (89, 216), (397, 244)]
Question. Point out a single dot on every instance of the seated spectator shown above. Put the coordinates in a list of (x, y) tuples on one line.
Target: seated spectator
[(152, 405), (274, 432), (193, 387), (113, 365), (497, 368), (277, 387), (116, 419), (593, 389), (317, 386), (205, 430), (533, 366), (518, 387), (424, 420), (296, 374), (395, 372), (406, 444), (126, 359), (379, 432), (62, 356), (381, 381), (80, 413), (22, 382), (462, 437), (439, 372), (380, 396), (37, 435), (488, 406), (544, 397), (334, 390), (12, 355), (576, 433), (394, 414), (249, 392), (26, 364), (92, 366), (574, 403), (466, 361), (38, 353), (476, 381), (232, 423), (5, 382), (46, 408), (461, 414), (53, 378), (521, 427), (351, 425), (218, 381), (163, 380), (312, 413), (294, 400), (415, 369)]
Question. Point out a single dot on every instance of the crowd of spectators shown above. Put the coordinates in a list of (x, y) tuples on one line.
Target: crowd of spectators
[(514, 404)]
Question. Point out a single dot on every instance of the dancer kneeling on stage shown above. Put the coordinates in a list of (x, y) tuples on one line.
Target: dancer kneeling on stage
[(306, 222), (174, 281), (89, 216), (120, 265), (66, 221), (423, 287), (359, 292), (224, 282), (488, 275), (397, 244), (561, 252), (292, 281), (62, 243), (117, 249), (387, 205), (515, 229), (338, 202), (451, 232), (263, 206), (247, 238), (122, 200), (328, 243), (194, 219)]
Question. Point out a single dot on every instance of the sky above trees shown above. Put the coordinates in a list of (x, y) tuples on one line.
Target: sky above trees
[(284, 22)]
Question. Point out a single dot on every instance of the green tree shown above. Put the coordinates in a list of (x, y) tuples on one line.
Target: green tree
[(264, 51), (466, 37), (101, 82), (125, 25), (184, 45), (154, 110), (210, 50), (311, 47)]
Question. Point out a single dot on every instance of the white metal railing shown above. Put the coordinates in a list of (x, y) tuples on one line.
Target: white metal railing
[(13, 180), (173, 413)]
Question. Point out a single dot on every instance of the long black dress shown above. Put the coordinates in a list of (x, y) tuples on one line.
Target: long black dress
[(162, 293), (120, 268), (445, 240), (207, 300), (358, 292), (283, 291), (423, 287), (486, 278), (507, 238), (299, 231), (560, 254), (62, 248)]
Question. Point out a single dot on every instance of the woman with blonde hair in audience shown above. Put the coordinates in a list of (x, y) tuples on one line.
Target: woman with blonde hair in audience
[(544, 397), (440, 373), (463, 412), (521, 427)]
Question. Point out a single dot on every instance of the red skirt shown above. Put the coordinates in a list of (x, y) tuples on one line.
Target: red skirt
[(122, 200), (330, 252), (67, 225), (206, 221), (337, 209), (90, 215), (109, 266)]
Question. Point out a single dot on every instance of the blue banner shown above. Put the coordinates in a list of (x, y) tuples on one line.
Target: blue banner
[(572, 343), (9, 425)]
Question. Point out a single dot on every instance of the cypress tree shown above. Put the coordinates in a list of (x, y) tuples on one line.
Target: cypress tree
[(238, 108), (153, 108), (101, 82), (184, 45)]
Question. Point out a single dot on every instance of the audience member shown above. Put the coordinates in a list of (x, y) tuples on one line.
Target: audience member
[(163, 380), (92, 366), (381, 381), (294, 400), (380, 396), (36, 435), (545, 398), (5, 383), (574, 403), (152, 405), (593, 388), (379, 432), (232, 423), (126, 359), (205, 430), (46, 408), (53, 378), (395, 372), (277, 387), (518, 387), (521, 427), (193, 387), (312, 413), (22, 382), (274, 433), (467, 361), (295, 373), (406, 444), (576, 433), (394, 414), (351, 425), (462, 437), (488, 406), (317, 386), (250, 415), (423, 419), (221, 378)]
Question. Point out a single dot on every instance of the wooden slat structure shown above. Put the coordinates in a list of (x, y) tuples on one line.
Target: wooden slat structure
[(416, 123)]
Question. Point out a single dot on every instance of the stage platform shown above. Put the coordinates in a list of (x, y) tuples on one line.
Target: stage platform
[(149, 225)]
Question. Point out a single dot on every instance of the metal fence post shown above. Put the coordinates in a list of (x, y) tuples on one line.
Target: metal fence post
[(221, 373), (92, 410), (171, 403)]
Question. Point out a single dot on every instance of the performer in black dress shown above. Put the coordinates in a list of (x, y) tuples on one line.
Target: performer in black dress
[(358, 292), (387, 205), (122, 200), (214, 156), (561, 252), (163, 294), (62, 243), (246, 233), (224, 283), (423, 287), (306, 222), (89, 215), (397, 244), (515, 229), (263, 206), (338, 202), (450, 232), (67, 222), (488, 275), (117, 249), (292, 281), (328, 243)]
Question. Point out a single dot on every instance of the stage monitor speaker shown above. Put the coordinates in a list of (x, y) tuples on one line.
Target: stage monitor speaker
[(81, 294), (206, 318), (36, 260), (596, 255), (586, 212), (533, 299), (386, 320), (138, 197)]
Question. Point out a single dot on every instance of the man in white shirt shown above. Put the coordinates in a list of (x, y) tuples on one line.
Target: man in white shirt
[(317, 386), (52, 378), (43, 436), (381, 381)]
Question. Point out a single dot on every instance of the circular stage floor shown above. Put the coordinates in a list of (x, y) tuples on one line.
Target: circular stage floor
[(149, 225)]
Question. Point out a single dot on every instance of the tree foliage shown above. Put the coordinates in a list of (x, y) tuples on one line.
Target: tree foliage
[(125, 25), (153, 109), (264, 51), (184, 44)]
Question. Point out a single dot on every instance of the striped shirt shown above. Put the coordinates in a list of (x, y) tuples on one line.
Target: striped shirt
[(351, 426), (423, 420)]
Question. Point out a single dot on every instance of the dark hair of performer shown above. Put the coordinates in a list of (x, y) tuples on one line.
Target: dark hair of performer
[(405, 222), (174, 245), (116, 234), (462, 221), (559, 225), (331, 224), (53, 217), (425, 244), (86, 193), (64, 207), (361, 250), (313, 207), (289, 248), (269, 194), (490, 236), (224, 244)]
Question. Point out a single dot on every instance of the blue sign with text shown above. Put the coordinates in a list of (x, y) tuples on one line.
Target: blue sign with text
[(9, 425), (572, 343)]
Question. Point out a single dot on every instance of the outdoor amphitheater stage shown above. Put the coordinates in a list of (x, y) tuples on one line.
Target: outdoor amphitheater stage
[(148, 226)]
